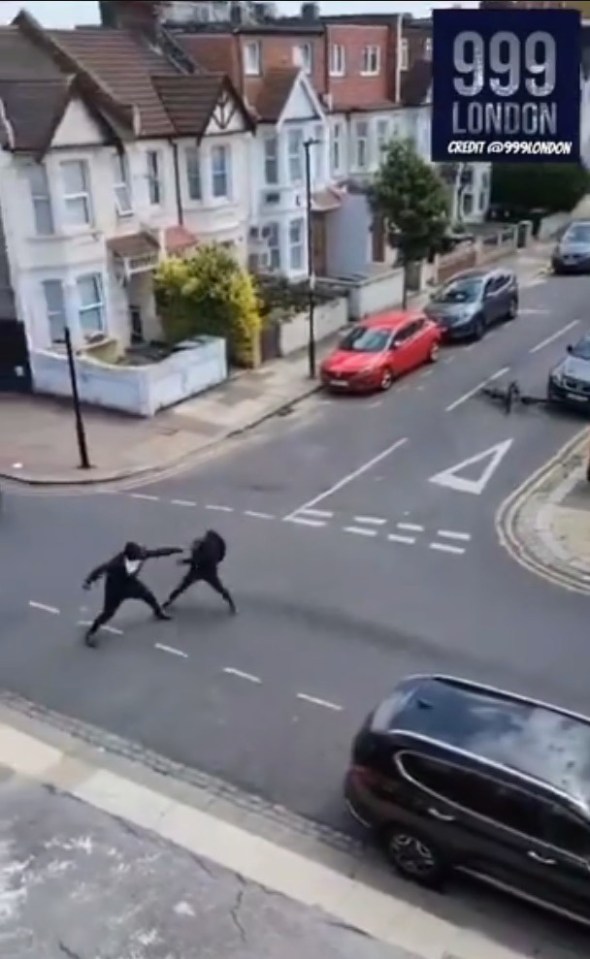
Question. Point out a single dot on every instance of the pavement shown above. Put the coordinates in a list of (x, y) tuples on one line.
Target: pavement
[(100, 857), (363, 546), (545, 524), (38, 439)]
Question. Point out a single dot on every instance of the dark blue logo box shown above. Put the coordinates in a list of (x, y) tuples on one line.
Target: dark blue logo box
[(506, 86)]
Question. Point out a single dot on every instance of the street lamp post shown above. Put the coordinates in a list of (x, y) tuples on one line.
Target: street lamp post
[(85, 463), (308, 144)]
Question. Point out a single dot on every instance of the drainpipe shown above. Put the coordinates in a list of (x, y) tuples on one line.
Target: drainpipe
[(398, 67), (177, 186)]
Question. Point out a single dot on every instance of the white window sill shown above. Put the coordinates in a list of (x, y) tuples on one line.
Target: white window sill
[(72, 234), (125, 216), (252, 73), (337, 73), (370, 73)]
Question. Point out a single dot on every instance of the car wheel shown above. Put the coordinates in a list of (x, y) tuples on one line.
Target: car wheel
[(386, 380), (479, 328), (588, 472), (434, 352), (414, 857), (512, 309)]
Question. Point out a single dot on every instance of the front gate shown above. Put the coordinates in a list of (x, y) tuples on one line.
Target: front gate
[(15, 366)]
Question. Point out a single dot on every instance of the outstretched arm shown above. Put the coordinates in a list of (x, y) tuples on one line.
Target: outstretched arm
[(165, 551), (96, 574)]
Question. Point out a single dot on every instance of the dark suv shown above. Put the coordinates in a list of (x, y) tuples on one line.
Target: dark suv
[(457, 776)]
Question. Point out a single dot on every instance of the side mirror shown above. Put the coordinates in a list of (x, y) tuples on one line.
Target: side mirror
[(569, 349)]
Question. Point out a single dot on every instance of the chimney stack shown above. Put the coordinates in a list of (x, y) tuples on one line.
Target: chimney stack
[(310, 12)]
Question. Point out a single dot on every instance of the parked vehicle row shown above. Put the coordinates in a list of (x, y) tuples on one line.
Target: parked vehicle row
[(373, 354)]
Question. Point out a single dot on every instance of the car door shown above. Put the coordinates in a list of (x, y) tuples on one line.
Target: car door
[(563, 861), (401, 349), (490, 300), (420, 342)]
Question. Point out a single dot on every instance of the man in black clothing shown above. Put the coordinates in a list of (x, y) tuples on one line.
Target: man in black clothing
[(121, 575), (205, 556)]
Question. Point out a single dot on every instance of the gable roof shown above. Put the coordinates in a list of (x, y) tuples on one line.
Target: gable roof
[(274, 94), (190, 100), (416, 84), (31, 111), (132, 80), (216, 52)]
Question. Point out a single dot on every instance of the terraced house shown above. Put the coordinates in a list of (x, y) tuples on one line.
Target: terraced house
[(115, 149)]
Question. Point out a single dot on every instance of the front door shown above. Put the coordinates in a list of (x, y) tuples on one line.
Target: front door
[(15, 367)]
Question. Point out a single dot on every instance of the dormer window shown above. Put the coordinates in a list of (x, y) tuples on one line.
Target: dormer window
[(252, 59)]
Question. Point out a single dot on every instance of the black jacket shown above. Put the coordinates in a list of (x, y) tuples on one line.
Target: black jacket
[(115, 571), (206, 553)]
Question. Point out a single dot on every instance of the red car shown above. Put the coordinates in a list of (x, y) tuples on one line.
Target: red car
[(373, 354)]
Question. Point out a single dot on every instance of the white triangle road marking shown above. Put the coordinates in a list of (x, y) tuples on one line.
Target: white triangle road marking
[(492, 457)]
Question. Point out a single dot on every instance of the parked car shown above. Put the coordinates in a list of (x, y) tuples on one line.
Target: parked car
[(471, 302), (572, 253), (374, 353), (453, 775), (569, 380)]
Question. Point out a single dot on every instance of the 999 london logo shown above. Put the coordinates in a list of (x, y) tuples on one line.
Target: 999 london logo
[(506, 86)]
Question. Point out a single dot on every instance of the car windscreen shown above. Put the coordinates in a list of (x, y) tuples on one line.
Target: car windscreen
[(582, 349), (579, 233), (366, 340), (466, 290)]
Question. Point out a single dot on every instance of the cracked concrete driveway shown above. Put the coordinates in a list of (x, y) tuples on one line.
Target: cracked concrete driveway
[(78, 884)]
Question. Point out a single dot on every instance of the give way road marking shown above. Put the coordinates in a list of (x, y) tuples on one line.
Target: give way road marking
[(490, 459)]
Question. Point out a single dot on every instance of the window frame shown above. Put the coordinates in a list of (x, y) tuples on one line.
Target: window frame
[(97, 305), (41, 199), (299, 224), (155, 177), (358, 140), (221, 150), (193, 173), (382, 142), (371, 60), (337, 67), (273, 238), (428, 48), (336, 145), (252, 58), (61, 312), (122, 184), (295, 156), (303, 57), (83, 196), (271, 157)]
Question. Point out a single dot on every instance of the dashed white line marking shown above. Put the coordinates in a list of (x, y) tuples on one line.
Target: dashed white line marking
[(451, 534), (410, 527), (370, 520), (45, 609), (476, 389), (240, 675), (183, 502), (448, 359), (364, 468), (426, 375), (554, 336), (359, 531), (172, 650), (144, 496), (318, 513), (375, 405), (468, 349), (319, 702), (302, 521), (254, 514), (395, 538), (219, 509), (103, 629), (445, 548)]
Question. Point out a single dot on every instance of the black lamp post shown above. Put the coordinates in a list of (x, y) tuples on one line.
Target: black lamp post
[(80, 431), (308, 144)]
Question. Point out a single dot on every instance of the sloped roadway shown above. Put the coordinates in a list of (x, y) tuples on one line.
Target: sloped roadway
[(350, 566)]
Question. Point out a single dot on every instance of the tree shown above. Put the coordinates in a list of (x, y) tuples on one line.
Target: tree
[(552, 187), (411, 198), (209, 293)]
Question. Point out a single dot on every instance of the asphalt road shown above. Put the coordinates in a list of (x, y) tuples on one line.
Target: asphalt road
[(351, 568)]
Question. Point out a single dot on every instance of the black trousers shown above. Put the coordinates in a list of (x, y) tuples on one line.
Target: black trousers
[(198, 574), (114, 596)]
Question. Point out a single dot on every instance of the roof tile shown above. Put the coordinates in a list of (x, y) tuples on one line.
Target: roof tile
[(32, 108), (215, 53), (416, 83), (275, 92)]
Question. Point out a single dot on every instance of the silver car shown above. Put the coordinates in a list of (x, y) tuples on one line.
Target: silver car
[(572, 253), (471, 302)]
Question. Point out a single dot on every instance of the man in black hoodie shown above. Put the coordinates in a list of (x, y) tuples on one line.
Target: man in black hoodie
[(121, 576), (205, 557)]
